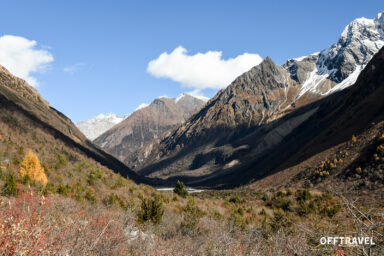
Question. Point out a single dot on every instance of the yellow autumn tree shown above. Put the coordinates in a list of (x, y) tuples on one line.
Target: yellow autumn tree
[(31, 167)]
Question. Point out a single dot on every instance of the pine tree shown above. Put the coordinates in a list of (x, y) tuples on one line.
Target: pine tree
[(180, 189), (152, 209), (31, 167)]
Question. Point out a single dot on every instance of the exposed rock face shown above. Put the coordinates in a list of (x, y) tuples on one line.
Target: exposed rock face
[(99, 124), (300, 69), (148, 123), (249, 118), (250, 100)]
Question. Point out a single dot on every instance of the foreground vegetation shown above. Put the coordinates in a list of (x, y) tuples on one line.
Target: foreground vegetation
[(57, 202), (38, 222)]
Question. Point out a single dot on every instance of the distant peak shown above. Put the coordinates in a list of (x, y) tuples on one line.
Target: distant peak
[(97, 125), (267, 63), (180, 97), (267, 60), (363, 28), (190, 95)]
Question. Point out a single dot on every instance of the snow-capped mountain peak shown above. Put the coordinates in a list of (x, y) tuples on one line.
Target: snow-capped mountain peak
[(337, 67), (97, 125), (183, 95)]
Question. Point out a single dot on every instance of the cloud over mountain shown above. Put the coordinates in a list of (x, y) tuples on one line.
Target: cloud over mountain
[(202, 70), (22, 57)]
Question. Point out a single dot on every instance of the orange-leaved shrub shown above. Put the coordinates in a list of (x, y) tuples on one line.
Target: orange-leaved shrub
[(32, 168)]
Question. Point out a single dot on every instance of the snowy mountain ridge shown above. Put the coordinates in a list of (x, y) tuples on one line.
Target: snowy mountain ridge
[(101, 123), (97, 125), (337, 67)]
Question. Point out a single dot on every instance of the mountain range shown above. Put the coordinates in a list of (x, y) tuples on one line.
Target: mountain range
[(237, 130), (148, 123), (267, 120)]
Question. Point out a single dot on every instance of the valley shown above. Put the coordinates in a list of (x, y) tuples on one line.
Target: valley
[(275, 163)]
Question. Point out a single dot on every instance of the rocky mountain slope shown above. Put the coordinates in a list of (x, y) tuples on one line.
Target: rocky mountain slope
[(259, 110), (148, 123), (99, 124), (26, 116), (328, 132)]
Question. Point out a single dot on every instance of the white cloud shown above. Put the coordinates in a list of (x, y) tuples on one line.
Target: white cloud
[(73, 68), (202, 70), (22, 57)]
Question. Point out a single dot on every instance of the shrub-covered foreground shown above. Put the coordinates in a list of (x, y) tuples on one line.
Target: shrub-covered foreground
[(82, 208), (211, 223)]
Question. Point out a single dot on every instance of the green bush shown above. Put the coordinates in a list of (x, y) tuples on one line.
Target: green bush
[(235, 200), (92, 177), (303, 194), (280, 220), (49, 188), (218, 216), (90, 196), (61, 161), (152, 210), (25, 180), (120, 182), (303, 208), (331, 209), (263, 212), (10, 185), (313, 206), (238, 220), (266, 196), (282, 203), (64, 189), (113, 199), (191, 218), (180, 189)]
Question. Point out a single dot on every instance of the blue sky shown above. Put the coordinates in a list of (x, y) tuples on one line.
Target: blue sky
[(101, 49)]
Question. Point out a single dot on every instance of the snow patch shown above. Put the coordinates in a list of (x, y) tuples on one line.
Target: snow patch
[(303, 57), (193, 94), (202, 97), (142, 105), (350, 80), (316, 77), (180, 97)]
